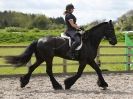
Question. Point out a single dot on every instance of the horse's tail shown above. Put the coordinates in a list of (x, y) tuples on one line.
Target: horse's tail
[(22, 59)]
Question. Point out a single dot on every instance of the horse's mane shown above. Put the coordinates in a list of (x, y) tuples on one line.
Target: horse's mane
[(95, 27), (90, 32)]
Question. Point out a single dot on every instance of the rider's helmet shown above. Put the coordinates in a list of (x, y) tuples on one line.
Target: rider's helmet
[(69, 6)]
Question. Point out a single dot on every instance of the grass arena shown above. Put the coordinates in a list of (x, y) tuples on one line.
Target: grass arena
[(39, 87)]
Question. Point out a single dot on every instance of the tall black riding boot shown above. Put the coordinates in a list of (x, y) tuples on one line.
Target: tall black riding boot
[(71, 52)]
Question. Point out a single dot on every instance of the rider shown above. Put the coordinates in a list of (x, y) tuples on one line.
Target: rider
[(72, 29)]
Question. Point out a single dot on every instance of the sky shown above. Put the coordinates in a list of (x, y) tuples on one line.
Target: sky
[(86, 11)]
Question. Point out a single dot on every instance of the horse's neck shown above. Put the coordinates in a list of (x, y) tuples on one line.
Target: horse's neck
[(95, 38)]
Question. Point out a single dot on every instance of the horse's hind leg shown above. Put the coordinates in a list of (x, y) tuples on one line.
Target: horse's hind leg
[(25, 79), (55, 84)]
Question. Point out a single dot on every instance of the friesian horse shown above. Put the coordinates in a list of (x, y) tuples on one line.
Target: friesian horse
[(47, 47)]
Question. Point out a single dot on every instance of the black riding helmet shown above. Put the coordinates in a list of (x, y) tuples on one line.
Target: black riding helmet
[(69, 6)]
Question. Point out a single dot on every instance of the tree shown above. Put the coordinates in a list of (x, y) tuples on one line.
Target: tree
[(125, 22), (18, 19), (58, 20), (41, 22)]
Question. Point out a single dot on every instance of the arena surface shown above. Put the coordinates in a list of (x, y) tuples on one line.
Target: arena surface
[(39, 87)]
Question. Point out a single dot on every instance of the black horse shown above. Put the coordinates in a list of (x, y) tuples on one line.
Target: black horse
[(48, 47)]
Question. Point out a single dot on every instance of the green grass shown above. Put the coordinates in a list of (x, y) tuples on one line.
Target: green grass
[(57, 60), (113, 67)]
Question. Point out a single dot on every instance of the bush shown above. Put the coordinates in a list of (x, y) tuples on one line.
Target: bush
[(16, 29), (35, 30), (10, 37), (120, 37)]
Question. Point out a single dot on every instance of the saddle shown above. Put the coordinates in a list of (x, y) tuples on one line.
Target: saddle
[(63, 35)]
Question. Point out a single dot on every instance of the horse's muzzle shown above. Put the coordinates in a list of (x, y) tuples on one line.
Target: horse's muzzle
[(113, 41)]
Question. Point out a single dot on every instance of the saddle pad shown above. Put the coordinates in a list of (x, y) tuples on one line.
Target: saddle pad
[(69, 39)]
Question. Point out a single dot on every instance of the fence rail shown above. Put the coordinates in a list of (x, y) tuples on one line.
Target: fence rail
[(99, 55), (127, 55)]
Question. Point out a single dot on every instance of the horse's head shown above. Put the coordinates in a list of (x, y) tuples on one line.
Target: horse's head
[(110, 33)]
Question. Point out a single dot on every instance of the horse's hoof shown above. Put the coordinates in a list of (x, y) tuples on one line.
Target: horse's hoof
[(67, 87), (67, 84), (23, 82), (58, 87), (104, 88), (102, 84)]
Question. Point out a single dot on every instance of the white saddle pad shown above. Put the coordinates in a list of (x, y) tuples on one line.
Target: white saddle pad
[(69, 39)]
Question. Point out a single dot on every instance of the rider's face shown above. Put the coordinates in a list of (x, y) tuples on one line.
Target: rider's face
[(72, 10)]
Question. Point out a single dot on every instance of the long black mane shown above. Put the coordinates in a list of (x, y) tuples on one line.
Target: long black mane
[(91, 32), (95, 27)]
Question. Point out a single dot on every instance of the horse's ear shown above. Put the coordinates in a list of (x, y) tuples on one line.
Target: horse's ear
[(110, 21)]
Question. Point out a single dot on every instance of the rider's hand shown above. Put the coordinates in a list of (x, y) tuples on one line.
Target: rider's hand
[(82, 28)]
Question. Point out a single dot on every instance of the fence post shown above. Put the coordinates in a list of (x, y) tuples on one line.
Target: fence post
[(128, 59), (64, 66)]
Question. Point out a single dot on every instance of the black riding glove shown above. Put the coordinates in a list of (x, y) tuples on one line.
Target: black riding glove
[(82, 28)]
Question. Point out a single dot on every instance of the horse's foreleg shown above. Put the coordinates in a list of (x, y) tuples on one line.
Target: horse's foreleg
[(101, 82), (25, 79), (70, 81), (55, 84)]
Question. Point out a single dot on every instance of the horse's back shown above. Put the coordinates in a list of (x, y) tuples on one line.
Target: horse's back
[(50, 39), (51, 42), (47, 41), (57, 46)]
